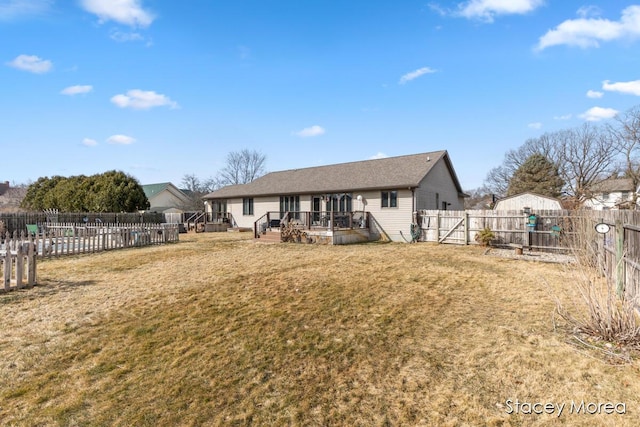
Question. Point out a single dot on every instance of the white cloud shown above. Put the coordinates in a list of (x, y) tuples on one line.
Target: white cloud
[(596, 114), (120, 139), (314, 130), (76, 90), (11, 9), (486, 10), (535, 125), (415, 74), (127, 12), (589, 32), (142, 100), (31, 63), (632, 87), (119, 36), (89, 142), (564, 117), (594, 94), (378, 155)]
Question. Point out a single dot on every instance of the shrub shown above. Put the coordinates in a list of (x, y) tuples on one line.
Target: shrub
[(485, 236)]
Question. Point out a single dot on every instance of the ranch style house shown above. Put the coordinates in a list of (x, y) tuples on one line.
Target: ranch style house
[(342, 203)]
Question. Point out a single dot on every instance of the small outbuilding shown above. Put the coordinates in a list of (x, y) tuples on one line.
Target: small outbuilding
[(528, 202)]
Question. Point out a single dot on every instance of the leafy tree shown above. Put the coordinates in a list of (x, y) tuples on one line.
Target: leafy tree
[(112, 191), (538, 175)]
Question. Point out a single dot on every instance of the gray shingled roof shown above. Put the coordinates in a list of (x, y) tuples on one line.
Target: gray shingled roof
[(614, 184), (390, 172)]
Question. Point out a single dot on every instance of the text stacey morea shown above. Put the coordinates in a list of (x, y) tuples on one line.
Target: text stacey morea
[(558, 408)]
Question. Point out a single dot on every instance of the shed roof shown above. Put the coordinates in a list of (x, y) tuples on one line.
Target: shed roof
[(390, 172), (151, 190)]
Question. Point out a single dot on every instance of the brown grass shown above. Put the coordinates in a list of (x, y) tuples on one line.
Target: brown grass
[(217, 330)]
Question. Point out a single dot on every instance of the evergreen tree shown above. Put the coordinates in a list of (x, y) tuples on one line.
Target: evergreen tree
[(112, 191), (538, 175)]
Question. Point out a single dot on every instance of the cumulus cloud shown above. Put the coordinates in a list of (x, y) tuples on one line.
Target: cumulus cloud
[(89, 142), (535, 125), (31, 63), (121, 140), (314, 130), (632, 87), (12, 9), (415, 74), (486, 10), (76, 90), (142, 100), (378, 155), (596, 114), (589, 32), (127, 12), (594, 94)]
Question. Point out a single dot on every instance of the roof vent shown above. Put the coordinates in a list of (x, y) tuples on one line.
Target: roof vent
[(428, 159)]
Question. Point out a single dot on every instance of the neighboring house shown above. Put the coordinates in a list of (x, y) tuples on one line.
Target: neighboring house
[(11, 197), (527, 201), (613, 193), (166, 198), (387, 191)]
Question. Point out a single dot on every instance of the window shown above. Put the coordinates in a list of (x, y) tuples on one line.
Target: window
[(341, 202), (247, 206), (625, 195), (389, 199), (290, 204), (605, 196)]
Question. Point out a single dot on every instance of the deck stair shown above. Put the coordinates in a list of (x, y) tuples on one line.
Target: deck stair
[(269, 237)]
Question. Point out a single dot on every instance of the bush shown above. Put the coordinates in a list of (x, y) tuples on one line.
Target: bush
[(485, 236)]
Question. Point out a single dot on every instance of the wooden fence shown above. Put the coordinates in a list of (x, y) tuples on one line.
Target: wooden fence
[(616, 253), (17, 264), (511, 228), (71, 239), (17, 222)]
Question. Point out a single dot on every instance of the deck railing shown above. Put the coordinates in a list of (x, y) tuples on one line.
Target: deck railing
[(310, 220)]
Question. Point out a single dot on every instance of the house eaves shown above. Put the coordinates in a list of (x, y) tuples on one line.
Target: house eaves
[(391, 172)]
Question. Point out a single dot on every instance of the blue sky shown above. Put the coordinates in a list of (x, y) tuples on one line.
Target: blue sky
[(161, 88)]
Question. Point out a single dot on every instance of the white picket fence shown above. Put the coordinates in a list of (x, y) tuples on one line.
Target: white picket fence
[(70, 239), (17, 264)]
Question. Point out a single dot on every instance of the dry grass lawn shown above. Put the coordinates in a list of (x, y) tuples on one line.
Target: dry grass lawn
[(218, 330)]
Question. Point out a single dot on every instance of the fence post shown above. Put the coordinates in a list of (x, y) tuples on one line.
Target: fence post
[(438, 226), (7, 268), (620, 262), (466, 227)]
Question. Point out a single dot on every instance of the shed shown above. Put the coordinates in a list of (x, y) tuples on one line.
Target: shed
[(533, 201)]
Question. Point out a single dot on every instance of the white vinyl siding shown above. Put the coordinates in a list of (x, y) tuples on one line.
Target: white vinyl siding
[(436, 188)]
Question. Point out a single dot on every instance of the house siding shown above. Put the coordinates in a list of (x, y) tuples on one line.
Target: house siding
[(437, 187), (390, 221), (599, 202)]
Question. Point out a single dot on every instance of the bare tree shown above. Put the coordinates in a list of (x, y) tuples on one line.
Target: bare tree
[(498, 178), (626, 139), (583, 157), (243, 167), (196, 188), (586, 159)]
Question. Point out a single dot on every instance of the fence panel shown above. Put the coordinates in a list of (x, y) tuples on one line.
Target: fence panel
[(17, 264)]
